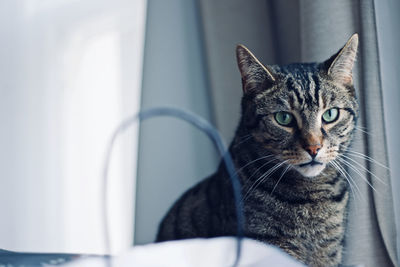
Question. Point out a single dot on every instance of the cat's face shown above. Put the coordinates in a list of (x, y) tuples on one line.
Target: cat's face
[(303, 114)]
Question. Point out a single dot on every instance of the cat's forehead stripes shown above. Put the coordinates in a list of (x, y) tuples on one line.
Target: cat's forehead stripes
[(313, 89), (304, 91), (296, 95), (337, 96)]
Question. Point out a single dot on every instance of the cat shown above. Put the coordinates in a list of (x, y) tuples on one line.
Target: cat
[(296, 121)]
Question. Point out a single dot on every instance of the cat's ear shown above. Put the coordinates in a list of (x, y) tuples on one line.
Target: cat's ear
[(252, 71), (340, 65)]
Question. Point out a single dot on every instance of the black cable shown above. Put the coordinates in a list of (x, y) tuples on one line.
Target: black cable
[(202, 125)]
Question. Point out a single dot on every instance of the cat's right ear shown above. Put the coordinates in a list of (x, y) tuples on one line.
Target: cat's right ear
[(254, 74), (340, 65)]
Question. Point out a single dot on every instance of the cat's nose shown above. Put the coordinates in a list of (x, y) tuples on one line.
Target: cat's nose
[(313, 149)]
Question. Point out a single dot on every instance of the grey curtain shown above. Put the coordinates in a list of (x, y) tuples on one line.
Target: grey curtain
[(284, 31), (173, 156), (388, 35), (190, 62)]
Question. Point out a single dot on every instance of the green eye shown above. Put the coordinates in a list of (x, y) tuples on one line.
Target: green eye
[(284, 118), (330, 115)]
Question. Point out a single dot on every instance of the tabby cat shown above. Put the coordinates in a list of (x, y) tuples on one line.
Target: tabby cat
[(296, 121)]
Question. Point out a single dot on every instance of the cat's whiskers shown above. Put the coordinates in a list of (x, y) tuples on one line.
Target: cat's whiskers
[(359, 128), (283, 173), (364, 168), (363, 156), (255, 172), (351, 166), (244, 136), (362, 127), (259, 168), (243, 139), (262, 178), (253, 161), (349, 179)]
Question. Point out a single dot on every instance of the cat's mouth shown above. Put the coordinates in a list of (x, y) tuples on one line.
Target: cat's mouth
[(311, 168), (311, 163)]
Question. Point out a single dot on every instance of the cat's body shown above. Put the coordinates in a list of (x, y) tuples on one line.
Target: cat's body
[(296, 120)]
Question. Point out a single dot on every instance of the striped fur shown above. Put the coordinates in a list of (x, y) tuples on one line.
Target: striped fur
[(288, 202)]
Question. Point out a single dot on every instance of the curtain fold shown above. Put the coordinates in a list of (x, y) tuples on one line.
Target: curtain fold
[(376, 143), (387, 21), (173, 155)]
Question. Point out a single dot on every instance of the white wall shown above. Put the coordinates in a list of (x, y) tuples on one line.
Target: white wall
[(70, 71)]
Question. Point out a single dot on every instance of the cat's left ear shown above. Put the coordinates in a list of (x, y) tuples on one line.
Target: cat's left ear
[(341, 64)]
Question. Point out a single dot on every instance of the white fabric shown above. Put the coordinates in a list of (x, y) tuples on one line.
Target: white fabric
[(218, 252)]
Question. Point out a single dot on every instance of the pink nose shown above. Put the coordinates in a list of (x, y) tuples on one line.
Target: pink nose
[(313, 149)]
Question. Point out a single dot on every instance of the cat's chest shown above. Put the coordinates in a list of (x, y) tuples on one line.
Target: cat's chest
[(307, 220), (311, 232), (316, 214)]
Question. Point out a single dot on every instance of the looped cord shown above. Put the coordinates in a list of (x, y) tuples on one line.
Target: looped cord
[(201, 124)]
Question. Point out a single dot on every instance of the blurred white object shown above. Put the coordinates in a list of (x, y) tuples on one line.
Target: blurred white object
[(213, 252), (70, 72)]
